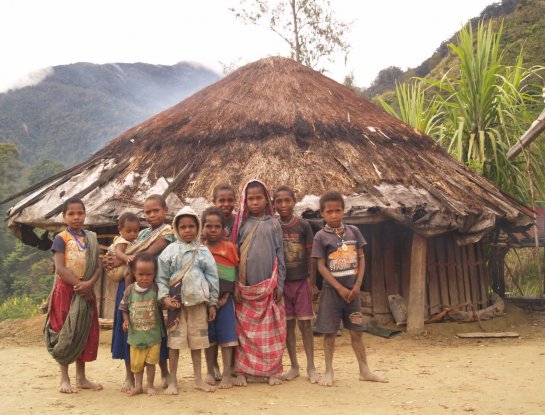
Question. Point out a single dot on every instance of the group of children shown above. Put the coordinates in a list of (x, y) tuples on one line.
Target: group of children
[(236, 280)]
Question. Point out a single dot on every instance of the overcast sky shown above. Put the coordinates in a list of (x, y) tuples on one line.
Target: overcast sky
[(37, 34)]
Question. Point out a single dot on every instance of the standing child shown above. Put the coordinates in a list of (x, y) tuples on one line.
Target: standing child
[(142, 321), (339, 252), (223, 197), (300, 277), (188, 286), (259, 309), (71, 328), (223, 329), (151, 240)]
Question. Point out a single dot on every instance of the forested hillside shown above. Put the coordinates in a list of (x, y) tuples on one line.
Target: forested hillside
[(78, 108), (523, 27)]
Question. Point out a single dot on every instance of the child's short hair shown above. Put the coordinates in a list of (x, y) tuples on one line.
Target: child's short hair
[(127, 217), (331, 197), (284, 188), (72, 201), (213, 211), (143, 257), (158, 198), (187, 216), (221, 187)]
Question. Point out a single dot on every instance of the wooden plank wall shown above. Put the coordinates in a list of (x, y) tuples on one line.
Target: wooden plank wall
[(455, 274)]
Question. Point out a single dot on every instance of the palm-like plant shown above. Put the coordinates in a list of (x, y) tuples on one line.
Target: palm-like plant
[(478, 110)]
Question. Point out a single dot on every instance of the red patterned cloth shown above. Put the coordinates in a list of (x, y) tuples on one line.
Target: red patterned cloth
[(261, 329)]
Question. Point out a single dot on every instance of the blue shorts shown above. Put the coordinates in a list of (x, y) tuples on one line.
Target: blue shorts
[(223, 330)]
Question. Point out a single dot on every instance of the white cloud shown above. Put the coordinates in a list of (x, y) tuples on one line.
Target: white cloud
[(29, 79)]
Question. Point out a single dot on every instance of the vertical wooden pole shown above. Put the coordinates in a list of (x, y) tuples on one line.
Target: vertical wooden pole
[(417, 288)]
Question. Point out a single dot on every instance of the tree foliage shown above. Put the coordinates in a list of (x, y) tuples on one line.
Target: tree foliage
[(309, 27)]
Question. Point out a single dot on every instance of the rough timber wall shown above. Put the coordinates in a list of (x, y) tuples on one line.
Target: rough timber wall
[(456, 275)]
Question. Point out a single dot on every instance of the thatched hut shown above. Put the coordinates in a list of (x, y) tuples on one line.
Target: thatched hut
[(423, 213)]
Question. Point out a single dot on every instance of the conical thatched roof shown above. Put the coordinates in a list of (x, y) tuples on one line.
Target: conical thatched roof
[(286, 124)]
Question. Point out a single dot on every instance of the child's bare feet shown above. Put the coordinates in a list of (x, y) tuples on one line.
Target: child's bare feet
[(66, 387), (217, 373), (326, 379), (226, 383), (87, 384), (199, 384), (275, 380), (172, 389), (210, 379), (371, 377), (313, 376), (164, 382), (240, 380), (291, 374), (127, 385), (152, 392), (135, 391)]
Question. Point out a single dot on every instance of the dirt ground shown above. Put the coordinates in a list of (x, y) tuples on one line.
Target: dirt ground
[(435, 373)]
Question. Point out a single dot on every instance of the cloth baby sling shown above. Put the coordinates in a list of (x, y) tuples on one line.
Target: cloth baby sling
[(261, 323), (68, 344), (175, 292)]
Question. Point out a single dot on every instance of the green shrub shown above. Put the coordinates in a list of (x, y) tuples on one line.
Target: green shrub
[(19, 307)]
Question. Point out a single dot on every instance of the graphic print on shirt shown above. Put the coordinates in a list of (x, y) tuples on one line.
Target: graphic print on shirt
[(344, 261)]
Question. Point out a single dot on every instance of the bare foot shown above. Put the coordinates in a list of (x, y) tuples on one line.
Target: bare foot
[(210, 379), (164, 382), (371, 377), (326, 379), (135, 391), (87, 384), (290, 374), (152, 392), (66, 387), (226, 383), (240, 380), (127, 386), (217, 373), (204, 386), (313, 376), (275, 380), (172, 389)]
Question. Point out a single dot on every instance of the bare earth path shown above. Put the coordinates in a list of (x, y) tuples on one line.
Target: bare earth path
[(434, 374)]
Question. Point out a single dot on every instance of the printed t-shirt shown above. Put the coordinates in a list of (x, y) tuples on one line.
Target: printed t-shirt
[(144, 316), (342, 262), (226, 257), (297, 237)]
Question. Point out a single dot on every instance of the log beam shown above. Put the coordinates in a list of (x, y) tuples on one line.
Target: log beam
[(417, 288)]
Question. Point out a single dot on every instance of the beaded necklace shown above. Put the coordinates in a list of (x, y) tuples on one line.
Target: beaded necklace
[(81, 246), (288, 223), (340, 232)]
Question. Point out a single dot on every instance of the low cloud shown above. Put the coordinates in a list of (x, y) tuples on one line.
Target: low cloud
[(31, 78)]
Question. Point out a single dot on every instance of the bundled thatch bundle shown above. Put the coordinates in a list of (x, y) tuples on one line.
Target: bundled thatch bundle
[(286, 124)]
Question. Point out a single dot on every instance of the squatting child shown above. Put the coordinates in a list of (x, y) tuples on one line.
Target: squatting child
[(300, 281), (142, 321), (188, 288), (71, 330), (338, 249), (222, 331), (259, 309)]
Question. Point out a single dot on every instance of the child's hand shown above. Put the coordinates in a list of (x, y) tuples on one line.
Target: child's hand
[(236, 295), (212, 313), (222, 301), (125, 326), (344, 293), (354, 293), (277, 295), (171, 304), (130, 258)]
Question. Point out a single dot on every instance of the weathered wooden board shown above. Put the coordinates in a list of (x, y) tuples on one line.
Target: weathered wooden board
[(482, 335), (434, 296), (453, 282), (442, 271), (417, 297)]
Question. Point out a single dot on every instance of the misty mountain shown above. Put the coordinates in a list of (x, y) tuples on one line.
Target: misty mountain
[(78, 108)]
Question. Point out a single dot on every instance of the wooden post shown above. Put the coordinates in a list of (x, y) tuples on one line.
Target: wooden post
[(417, 289)]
